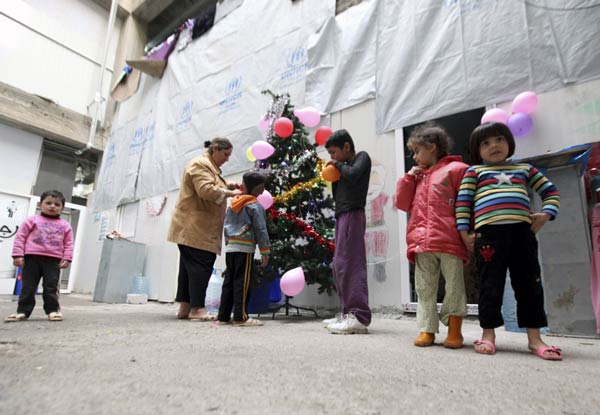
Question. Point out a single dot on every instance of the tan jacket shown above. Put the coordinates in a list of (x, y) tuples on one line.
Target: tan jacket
[(200, 210)]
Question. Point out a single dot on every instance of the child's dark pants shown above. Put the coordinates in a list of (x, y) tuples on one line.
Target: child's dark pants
[(36, 267), (350, 265), (236, 286), (512, 246)]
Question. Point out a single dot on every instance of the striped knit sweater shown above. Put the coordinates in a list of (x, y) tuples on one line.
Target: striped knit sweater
[(498, 193)]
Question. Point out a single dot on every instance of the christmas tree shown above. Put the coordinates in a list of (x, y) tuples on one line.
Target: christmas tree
[(301, 220)]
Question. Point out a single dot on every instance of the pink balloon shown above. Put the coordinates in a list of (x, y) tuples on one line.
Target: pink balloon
[(520, 124), (262, 150), (495, 115), (308, 116), (525, 102), (265, 199), (264, 123), (292, 282), (284, 127)]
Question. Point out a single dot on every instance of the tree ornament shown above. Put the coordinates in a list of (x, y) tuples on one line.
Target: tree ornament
[(283, 127)]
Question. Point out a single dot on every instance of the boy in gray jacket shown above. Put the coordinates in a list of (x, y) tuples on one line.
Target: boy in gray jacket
[(245, 226)]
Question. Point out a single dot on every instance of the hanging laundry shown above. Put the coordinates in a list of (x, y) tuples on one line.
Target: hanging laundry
[(204, 22), (185, 34), (155, 62), (163, 50)]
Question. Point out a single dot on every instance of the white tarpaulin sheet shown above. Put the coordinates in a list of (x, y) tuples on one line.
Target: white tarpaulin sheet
[(438, 57), (422, 59), (341, 58), (210, 88)]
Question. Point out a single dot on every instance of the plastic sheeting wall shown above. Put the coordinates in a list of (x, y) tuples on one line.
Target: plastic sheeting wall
[(213, 87), (441, 57), (341, 59), (437, 57), (420, 59)]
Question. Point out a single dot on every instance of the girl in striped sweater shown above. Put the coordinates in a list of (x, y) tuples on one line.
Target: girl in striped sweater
[(493, 201)]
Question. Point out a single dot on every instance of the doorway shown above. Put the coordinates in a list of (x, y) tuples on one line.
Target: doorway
[(459, 126)]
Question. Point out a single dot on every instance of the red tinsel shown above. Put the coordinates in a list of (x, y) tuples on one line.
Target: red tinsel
[(306, 228)]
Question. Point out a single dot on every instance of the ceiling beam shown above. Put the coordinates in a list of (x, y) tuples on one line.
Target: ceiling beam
[(147, 10), (123, 9), (45, 118)]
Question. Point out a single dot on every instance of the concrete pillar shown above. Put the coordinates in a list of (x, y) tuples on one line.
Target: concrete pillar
[(341, 5), (131, 46)]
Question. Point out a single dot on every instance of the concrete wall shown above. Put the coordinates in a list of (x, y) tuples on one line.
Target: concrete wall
[(54, 49)]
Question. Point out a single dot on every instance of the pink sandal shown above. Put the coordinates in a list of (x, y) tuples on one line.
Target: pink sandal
[(488, 343), (539, 352)]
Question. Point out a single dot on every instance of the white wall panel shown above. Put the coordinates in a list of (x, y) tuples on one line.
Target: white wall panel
[(54, 49), (20, 159), (385, 258), (563, 118)]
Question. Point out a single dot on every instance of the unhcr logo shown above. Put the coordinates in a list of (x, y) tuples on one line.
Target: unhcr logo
[(185, 116), (186, 109), (296, 57), (137, 142), (111, 152), (109, 158), (149, 132), (232, 94), (138, 135), (296, 65), (233, 85)]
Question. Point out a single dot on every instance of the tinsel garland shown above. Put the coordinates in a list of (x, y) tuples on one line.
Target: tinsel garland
[(287, 196), (306, 228), (264, 168), (275, 110)]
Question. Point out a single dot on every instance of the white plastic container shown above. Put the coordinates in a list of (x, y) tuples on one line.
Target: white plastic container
[(137, 298), (213, 291)]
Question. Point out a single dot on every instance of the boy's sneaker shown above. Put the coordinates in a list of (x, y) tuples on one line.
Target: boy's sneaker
[(329, 321), (349, 325), (55, 316)]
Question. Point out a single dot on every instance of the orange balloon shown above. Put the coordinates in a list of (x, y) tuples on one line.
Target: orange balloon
[(331, 173)]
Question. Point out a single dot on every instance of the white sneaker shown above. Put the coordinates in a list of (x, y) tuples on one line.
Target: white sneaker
[(329, 321), (349, 325)]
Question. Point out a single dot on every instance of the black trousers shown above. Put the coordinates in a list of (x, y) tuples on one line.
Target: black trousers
[(236, 286), (36, 267), (195, 269), (513, 247)]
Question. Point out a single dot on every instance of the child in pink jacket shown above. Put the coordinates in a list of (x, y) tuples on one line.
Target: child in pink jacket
[(428, 193), (43, 246)]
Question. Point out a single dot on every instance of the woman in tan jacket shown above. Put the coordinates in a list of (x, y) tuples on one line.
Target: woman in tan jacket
[(197, 226)]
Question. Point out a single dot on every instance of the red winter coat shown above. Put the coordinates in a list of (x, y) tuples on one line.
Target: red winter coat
[(429, 199)]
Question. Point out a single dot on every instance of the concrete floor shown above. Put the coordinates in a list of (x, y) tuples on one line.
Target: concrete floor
[(138, 359)]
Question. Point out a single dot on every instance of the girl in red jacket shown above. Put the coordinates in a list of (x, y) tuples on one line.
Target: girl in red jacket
[(428, 192)]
